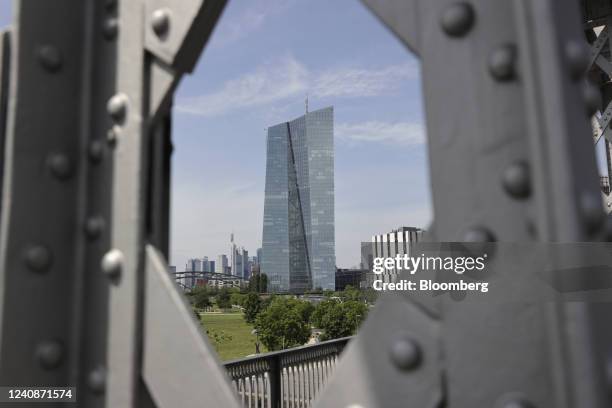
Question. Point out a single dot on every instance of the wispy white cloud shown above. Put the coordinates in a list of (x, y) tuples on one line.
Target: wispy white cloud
[(362, 82), (250, 19), (405, 133), (287, 78), (268, 83)]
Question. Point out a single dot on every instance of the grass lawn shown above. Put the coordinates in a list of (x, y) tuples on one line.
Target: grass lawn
[(229, 334)]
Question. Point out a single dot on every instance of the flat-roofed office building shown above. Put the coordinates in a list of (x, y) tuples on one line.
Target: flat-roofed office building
[(399, 241)]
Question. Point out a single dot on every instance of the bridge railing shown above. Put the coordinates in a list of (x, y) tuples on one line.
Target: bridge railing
[(287, 378)]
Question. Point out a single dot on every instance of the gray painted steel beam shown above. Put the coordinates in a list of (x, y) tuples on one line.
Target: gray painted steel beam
[(395, 361), (87, 148), (86, 188), (124, 262), (503, 122), (402, 18), (41, 195), (5, 50), (180, 368), (174, 33)]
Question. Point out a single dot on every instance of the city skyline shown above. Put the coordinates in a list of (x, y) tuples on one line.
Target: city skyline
[(222, 111), (217, 263)]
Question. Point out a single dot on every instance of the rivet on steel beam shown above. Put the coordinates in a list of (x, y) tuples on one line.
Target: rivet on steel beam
[(112, 264), (405, 354), (577, 58), (592, 212), (110, 27), (49, 57), (516, 180), (60, 166), (502, 63), (49, 354), (478, 234), (94, 226), (592, 99), (96, 151), (160, 22), (96, 380), (117, 107), (37, 258), (457, 19), (111, 135)]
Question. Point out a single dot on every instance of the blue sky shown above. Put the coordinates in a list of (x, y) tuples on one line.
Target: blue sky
[(262, 60), (264, 57)]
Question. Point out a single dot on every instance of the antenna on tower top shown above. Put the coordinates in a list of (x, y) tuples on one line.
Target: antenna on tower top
[(306, 103)]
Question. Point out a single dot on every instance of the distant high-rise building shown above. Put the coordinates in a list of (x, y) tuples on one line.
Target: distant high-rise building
[(298, 229), (221, 264), (352, 277), (239, 260), (254, 269), (246, 263), (259, 255), (398, 241), (211, 265), (235, 263), (192, 265), (205, 264), (240, 263)]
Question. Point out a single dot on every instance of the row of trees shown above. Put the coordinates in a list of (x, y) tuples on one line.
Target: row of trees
[(202, 297), (282, 322)]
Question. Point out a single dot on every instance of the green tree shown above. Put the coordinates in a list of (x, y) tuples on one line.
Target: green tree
[(305, 309), (202, 300), (223, 299), (321, 310), (339, 319), (252, 306), (281, 325), (266, 301), (237, 298), (351, 293), (328, 293), (258, 282), (199, 297), (263, 283)]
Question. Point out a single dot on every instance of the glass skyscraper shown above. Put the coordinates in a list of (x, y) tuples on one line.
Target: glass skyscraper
[(299, 249)]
